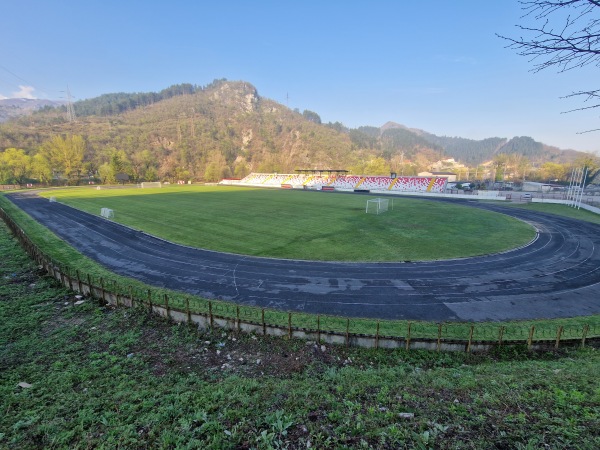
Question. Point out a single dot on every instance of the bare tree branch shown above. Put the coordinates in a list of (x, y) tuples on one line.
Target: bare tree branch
[(573, 42), (589, 94), (569, 38)]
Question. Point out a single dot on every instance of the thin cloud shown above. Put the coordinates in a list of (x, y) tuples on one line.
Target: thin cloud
[(24, 92)]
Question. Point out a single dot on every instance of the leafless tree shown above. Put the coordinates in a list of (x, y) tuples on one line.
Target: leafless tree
[(565, 36)]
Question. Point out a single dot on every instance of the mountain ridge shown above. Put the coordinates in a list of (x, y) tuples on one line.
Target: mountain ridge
[(227, 129)]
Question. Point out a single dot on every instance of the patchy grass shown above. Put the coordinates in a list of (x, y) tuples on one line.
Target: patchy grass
[(304, 225), (109, 378)]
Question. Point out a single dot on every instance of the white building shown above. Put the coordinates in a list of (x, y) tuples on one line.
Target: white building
[(450, 176), (531, 186)]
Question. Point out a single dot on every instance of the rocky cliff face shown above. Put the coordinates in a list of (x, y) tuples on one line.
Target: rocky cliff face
[(243, 95)]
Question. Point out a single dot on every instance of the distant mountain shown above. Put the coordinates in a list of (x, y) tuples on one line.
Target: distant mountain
[(473, 152), (16, 107)]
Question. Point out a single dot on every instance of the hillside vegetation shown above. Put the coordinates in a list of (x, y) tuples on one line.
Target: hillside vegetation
[(224, 129)]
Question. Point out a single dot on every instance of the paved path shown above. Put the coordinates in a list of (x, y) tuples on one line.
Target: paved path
[(557, 275)]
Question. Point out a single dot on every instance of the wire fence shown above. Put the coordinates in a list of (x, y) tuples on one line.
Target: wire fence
[(210, 314)]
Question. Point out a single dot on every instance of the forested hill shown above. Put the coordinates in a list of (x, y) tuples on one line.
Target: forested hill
[(472, 152), (227, 129), (468, 151), (111, 104), (221, 130)]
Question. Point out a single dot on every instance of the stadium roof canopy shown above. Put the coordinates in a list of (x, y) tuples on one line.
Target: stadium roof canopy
[(321, 171)]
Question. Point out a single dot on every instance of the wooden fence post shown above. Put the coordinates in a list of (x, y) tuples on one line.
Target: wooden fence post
[(500, 335), (117, 291), (347, 332), (439, 338), (586, 328), (289, 325), (237, 315), (408, 336), (62, 277), (210, 314), (89, 280), (102, 290), (187, 310), (530, 338), (470, 338), (166, 297), (79, 282), (558, 335), (264, 325), (318, 328), (70, 280), (131, 296), (377, 336)]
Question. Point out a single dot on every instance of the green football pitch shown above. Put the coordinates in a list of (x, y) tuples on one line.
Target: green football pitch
[(304, 224)]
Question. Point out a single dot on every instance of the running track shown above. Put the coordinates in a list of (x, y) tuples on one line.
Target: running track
[(556, 275)]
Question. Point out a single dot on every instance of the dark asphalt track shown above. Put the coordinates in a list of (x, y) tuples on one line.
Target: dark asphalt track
[(557, 275)]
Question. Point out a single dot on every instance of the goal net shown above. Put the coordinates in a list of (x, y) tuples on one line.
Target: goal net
[(107, 213), (377, 205), (151, 184)]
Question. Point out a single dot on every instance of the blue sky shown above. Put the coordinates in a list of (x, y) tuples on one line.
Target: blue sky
[(430, 64)]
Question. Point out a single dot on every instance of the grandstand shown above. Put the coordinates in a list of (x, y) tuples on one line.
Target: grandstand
[(344, 182), (375, 183)]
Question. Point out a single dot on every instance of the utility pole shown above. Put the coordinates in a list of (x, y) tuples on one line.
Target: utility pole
[(70, 111)]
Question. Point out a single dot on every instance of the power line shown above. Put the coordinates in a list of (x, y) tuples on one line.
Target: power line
[(14, 74), (41, 89)]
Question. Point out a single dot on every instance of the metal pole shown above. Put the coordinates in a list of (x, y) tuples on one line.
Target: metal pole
[(571, 183), (572, 187), (577, 186), (574, 191), (582, 187)]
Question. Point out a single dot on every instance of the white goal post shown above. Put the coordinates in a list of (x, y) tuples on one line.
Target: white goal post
[(151, 184), (377, 205), (107, 213)]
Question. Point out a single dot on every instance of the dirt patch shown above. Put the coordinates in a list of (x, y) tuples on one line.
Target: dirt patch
[(221, 353), (166, 347)]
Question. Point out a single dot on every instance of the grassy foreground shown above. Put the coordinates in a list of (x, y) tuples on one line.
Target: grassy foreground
[(304, 225), (118, 378)]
